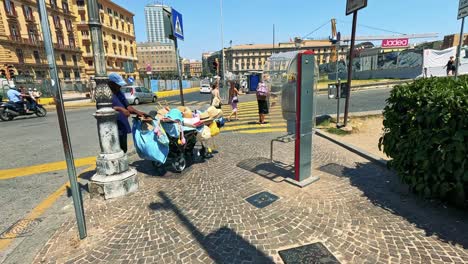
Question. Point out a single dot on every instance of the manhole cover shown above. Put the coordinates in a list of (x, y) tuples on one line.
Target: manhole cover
[(20, 228), (315, 253), (262, 200)]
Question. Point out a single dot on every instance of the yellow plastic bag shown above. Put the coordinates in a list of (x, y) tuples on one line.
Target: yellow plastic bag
[(214, 129)]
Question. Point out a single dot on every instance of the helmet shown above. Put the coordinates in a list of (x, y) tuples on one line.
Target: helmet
[(30, 89)]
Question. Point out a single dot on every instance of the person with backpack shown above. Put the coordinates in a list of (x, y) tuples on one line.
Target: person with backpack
[(262, 99)]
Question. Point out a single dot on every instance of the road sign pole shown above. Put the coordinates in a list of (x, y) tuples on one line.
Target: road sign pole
[(62, 119), (350, 68), (179, 72), (460, 43)]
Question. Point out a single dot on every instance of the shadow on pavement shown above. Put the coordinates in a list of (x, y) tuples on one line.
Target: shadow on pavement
[(223, 246), (448, 224), (276, 172)]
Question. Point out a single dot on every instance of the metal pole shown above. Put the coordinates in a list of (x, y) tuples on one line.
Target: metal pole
[(460, 43), (350, 69), (273, 51), (222, 55), (62, 119), (179, 71), (338, 91)]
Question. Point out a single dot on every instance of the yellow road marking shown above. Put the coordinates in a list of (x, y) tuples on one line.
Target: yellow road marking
[(258, 131), (235, 128), (43, 168), (48, 167), (41, 208)]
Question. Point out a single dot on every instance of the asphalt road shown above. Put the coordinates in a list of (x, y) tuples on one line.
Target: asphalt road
[(31, 140)]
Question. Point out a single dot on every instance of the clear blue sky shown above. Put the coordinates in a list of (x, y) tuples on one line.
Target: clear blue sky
[(251, 21)]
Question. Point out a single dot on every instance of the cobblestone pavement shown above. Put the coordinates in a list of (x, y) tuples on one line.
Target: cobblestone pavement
[(357, 210)]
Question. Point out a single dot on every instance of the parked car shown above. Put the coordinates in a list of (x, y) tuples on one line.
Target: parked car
[(205, 88), (138, 94)]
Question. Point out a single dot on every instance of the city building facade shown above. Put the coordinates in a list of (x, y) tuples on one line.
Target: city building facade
[(156, 57), (192, 68), (154, 14), (22, 52), (118, 34), (453, 40), (242, 59)]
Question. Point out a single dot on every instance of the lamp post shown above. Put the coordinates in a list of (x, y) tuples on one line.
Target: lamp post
[(224, 90), (113, 176)]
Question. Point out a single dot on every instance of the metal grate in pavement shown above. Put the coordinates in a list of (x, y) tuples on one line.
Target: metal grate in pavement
[(315, 253), (262, 200), (20, 229)]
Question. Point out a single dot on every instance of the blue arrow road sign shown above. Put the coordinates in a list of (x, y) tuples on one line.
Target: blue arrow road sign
[(177, 26)]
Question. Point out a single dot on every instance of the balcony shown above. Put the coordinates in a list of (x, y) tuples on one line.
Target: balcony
[(66, 47)]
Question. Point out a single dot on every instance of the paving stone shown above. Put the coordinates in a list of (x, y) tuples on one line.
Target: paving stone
[(201, 216)]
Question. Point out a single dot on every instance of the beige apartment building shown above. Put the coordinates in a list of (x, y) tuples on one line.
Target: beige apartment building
[(22, 50), (191, 68), (242, 59), (156, 57), (118, 35)]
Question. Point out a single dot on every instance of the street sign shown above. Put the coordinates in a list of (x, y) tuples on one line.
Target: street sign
[(130, 80), (177, 25), (355, 5), (463, 9)]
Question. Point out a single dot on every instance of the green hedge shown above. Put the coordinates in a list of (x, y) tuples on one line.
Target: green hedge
[(426, 135)]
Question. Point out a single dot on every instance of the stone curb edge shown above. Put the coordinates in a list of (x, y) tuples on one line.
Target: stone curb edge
[(354, 149)]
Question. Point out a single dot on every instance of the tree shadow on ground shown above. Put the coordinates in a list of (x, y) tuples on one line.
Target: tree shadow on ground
[(223, 246), (383, 189)]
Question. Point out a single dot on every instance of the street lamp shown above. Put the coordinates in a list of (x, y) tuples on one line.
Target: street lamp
[(113, 176), (224, 90)]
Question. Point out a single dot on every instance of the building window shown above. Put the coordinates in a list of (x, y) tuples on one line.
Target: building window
[(57, 23), (64, 59), (32, 34), (37, 57), (71, 41), (68, 24), (90, 63), (53, 4), (60, 39), (113, 37), (14, 32), (88, 50), (28, 13), (66, 74), (77, 75), (10, 8), (100, 6), (75, 60), (20, 55), (65, 8), (109, 11)]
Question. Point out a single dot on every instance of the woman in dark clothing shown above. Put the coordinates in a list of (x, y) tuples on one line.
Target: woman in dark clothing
[(450, 66)]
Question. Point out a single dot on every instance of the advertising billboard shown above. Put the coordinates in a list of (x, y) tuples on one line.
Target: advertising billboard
[(395, 43)]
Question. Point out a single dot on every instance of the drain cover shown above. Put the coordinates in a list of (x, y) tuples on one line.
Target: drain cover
[(335, 169), (262, 200), (315, 253), (20, 228)]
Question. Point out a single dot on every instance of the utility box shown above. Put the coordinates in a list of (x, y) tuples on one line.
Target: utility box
[(297, 74)]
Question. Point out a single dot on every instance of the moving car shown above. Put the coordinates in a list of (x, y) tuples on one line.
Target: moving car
[(138, 94), (205, 88)]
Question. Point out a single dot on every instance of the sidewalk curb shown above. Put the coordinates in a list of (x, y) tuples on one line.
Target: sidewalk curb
[(50, 101), (354, 149)]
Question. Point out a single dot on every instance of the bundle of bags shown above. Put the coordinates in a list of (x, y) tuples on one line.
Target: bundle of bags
[(207, 122)]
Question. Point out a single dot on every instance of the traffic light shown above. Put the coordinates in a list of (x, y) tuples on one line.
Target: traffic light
[(2, 73), (215, 65), (11, 72)]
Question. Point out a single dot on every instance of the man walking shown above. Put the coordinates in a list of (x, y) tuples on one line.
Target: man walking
[(120, 104)]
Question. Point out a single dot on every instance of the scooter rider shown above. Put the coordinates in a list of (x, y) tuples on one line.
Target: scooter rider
[(15, 96)]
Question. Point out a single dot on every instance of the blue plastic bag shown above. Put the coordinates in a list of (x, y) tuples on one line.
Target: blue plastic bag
[(147, 145)]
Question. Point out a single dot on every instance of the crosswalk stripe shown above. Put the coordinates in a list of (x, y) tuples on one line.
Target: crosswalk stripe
[(268, 130), (250, 126)]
